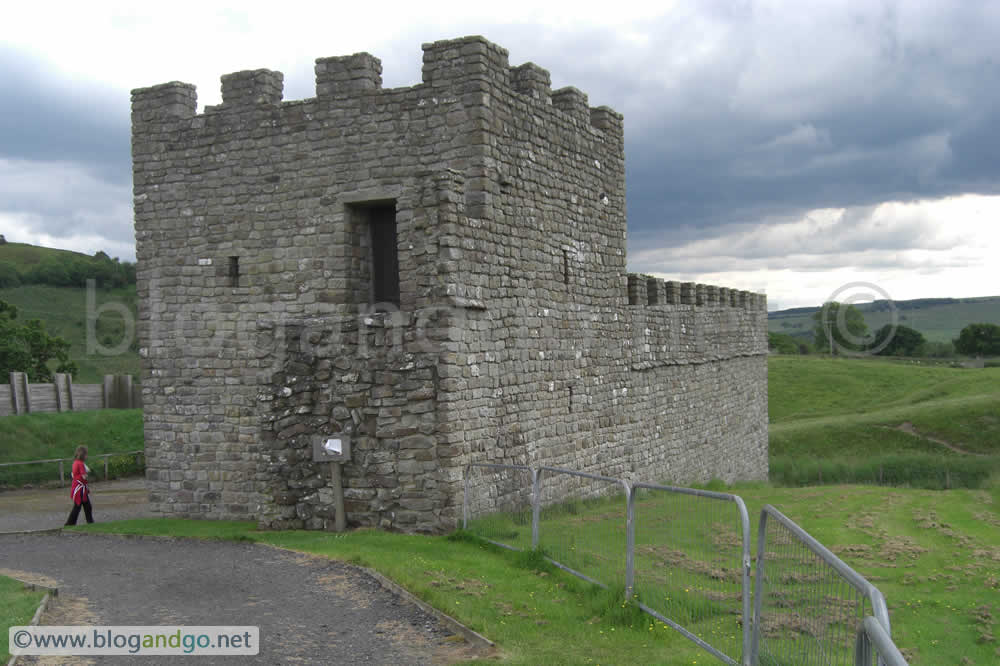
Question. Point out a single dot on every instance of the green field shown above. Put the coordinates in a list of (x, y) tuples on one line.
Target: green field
[(64, 312), (939, 322), (19, 605)]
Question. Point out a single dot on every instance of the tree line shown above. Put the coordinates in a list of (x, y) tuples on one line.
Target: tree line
[(71, 271), (843, 328)]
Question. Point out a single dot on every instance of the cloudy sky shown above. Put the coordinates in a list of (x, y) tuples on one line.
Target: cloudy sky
[(786, 147)]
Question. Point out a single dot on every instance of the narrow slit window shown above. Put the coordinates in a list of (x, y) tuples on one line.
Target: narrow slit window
[(234, 271), (385, 255), (566, 268)]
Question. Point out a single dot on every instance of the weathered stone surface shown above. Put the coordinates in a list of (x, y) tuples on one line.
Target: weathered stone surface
[(519, 335)]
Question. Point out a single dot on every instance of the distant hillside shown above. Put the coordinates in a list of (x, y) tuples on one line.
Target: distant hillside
[(24, 257), (939, 319), (22, 264), (63, 310), (48, 284)]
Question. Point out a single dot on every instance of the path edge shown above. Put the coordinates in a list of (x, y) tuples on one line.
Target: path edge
[(42, 605)]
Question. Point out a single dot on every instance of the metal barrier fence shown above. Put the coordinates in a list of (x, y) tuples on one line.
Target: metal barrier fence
[(582, 524), (9, 469), (874, 646), (808, 604), (692, 565), (674, 551), (684, 558), (503, 507)]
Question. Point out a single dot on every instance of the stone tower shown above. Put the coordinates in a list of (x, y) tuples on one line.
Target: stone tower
[(436, 272)]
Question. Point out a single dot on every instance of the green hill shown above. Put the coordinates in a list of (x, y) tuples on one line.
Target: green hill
[(49, 284), (939, 319), (24, 257), (63, 310), (870, 420)]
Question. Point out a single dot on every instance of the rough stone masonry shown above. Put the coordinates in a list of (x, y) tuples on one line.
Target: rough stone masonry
[(436, 273)]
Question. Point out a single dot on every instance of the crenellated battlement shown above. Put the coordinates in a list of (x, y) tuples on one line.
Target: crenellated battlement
[(647, 290), (346, 75), (252, 88), (466, 68)]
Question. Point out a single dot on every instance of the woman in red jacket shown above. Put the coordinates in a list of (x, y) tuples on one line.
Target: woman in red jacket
[(79, 490)]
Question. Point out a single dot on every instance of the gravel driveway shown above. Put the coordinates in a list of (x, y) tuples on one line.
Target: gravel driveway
[(310, 609)]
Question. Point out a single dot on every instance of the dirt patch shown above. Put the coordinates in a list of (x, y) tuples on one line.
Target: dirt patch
[(47, 508), (64, 611), (679, 559), (447, 651), (29, 577)]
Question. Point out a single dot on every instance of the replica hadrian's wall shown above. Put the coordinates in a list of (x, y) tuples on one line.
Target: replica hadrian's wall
[(266, 229)]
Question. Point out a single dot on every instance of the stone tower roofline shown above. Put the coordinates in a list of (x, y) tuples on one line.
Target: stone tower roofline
[(471, 66)]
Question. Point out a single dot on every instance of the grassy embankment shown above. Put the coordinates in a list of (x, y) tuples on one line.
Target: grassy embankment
[(18, 606), (47, 436), (874, 421)]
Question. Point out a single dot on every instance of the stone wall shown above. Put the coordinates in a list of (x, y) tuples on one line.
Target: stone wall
[(518, 337)]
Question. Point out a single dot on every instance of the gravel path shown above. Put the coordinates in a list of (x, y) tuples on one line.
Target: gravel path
[(47, 508), (310, 610)]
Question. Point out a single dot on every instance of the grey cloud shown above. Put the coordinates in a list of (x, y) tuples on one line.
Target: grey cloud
[(736, 113), (45, 118)]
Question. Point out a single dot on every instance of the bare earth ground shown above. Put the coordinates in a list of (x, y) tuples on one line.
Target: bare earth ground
[(310, 610), (41, 509)]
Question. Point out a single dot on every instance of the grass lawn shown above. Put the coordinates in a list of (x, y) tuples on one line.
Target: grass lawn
[(933, 554), (18, 606)]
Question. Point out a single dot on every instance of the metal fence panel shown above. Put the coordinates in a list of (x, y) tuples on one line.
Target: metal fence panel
[(808, 603), (582, 526), (692, 564), (874, 647), (683, 555), (498, 504)]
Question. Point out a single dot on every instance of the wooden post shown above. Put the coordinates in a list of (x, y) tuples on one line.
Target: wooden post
[(13, 393), (127, 390), (27, 393), (62, 473), (108, 383), (69, 390), (105, 468), (55, 385), (340, 519)]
